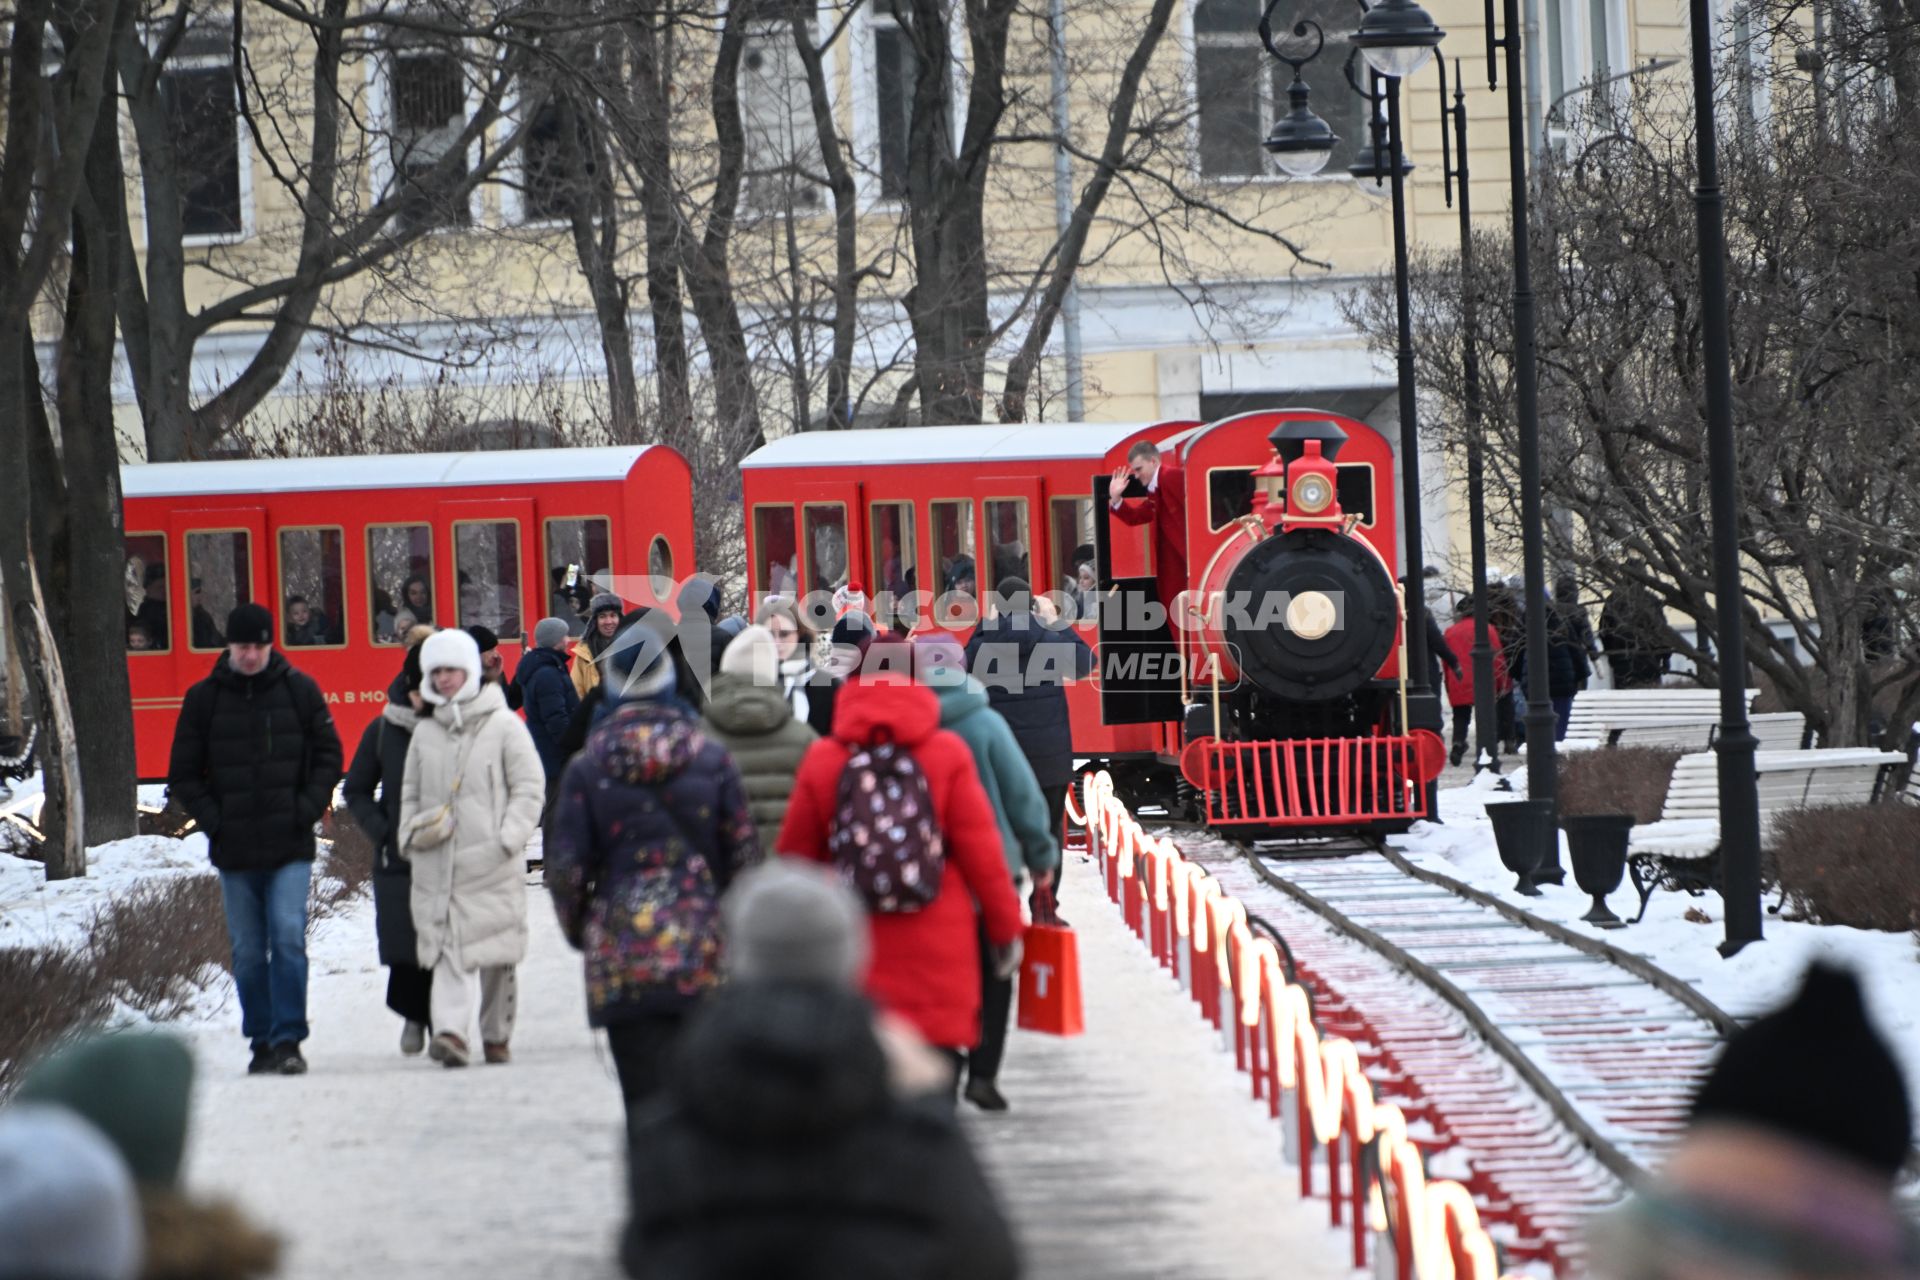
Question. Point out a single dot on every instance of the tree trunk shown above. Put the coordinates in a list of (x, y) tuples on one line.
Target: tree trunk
[(654, 119), (594, 220), (98, 691), (846, 227)]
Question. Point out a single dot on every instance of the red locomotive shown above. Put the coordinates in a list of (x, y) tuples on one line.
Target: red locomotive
[(348, 552)]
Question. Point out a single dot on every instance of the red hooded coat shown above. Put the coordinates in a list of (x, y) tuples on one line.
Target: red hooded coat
[(926, 963)]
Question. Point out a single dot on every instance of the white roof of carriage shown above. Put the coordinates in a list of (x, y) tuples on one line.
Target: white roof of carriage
[(892, 446), (379, 471)]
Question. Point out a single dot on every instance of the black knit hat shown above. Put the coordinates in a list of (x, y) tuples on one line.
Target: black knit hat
[(854, 628), (484, 637), (410, 668), (1817, 1070), (249, 624)]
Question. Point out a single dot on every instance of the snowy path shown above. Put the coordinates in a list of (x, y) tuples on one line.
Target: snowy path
[(1131, 1151)]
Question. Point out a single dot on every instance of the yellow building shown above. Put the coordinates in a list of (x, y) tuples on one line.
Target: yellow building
[(493, 308)]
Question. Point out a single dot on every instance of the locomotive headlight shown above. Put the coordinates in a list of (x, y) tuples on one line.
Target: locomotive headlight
[(1312, 614), (1312, 494)]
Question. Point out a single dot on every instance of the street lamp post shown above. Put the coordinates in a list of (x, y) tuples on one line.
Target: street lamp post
[(1739, 789), (1486, 734), (1540, 721), (1396, 37)]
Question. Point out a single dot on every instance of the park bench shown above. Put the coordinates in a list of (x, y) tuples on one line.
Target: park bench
[(1773, 730), (1597, 713), (1682, 850)]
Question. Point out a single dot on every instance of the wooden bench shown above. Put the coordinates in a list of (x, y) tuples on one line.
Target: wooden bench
[(1596, 713), (1682, 850), (1774, 731)]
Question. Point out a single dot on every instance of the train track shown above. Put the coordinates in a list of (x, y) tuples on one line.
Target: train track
[(1554, 1068)]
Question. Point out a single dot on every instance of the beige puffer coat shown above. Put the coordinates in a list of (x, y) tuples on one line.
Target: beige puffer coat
[(469, 894)]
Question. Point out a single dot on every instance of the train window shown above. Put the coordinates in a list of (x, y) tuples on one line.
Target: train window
[(895, 555), (1072, 546), (579, 554), (1009, 541), (400, 579), (1354, 486), (951, 528), (148, 613), (776, 560), (220, 576), (826, 529), (486, 566), (1229, 495), (313, 589)]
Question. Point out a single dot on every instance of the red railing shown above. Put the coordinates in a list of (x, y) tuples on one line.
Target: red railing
[(1314, 1084), (1307, 781)]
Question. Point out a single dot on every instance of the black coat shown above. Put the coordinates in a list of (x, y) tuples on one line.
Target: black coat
[(550, 701), (1024, 665), (778, 1149), (379, 764), (255, 760)]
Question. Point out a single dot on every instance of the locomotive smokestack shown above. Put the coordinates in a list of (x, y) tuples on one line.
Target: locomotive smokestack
[(1289, 440)]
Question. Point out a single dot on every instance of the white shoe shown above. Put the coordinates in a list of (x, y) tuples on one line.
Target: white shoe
[(413, 1039)]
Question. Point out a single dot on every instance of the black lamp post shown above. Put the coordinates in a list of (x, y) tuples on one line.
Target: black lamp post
[(1396, 37), (1486, 733), (1739, 788), (1540, 721)]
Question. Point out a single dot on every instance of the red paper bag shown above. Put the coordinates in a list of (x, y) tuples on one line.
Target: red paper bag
[(1050, 982)]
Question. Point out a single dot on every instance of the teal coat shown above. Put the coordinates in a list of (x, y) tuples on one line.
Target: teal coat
[(1025, 833)]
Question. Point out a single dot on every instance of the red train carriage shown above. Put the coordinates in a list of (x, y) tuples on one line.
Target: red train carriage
[(369, 544), (911, 510)]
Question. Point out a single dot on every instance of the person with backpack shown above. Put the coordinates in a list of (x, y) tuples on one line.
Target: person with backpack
[(372, 791), (651, 827), (1030, 847), (894, 802)]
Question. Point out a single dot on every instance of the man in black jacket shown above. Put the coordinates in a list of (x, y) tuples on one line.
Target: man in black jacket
[(1025, 655), (255, 759)]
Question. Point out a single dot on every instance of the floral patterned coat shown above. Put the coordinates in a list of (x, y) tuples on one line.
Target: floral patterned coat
[(650, 827)]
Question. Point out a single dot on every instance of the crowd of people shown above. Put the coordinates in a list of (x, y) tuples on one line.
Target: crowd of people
[(891, 807), (793, 866)]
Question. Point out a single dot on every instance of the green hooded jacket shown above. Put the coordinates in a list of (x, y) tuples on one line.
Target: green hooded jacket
[(756, 726), (1004, 772)]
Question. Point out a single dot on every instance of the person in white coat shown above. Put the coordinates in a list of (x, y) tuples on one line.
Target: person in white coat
[(470, 800)]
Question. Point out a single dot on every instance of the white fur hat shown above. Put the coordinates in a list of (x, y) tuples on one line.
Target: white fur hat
[(755, 654), (450, 648)]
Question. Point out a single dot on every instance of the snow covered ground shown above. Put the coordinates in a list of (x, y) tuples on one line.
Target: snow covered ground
[(1762, 976)]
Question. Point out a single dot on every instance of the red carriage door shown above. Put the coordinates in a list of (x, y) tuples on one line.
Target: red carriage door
[(490, 576)]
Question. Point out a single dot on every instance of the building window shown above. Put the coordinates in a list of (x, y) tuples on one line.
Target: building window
[(1240, 91), (895, 72), (776, 110), (203, 119), (1586, 43), (544, 165), (429, 114)]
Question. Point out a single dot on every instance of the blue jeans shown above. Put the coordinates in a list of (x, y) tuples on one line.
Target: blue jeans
[(267, 921), (1562, 708)]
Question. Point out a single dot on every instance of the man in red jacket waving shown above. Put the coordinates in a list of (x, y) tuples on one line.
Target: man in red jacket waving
[(1164, 507)]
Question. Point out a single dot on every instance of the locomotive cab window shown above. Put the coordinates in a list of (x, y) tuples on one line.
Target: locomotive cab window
[(895, 556), (825, 524), (1230, 493), (952, 532), (399, 580), (486, 566), (219, 576), (313, 593), (776, 552), (1009, 542), (579, 554), (149, 615), (1355, 487)]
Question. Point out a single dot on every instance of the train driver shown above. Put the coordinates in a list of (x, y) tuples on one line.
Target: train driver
[(1164, 507)]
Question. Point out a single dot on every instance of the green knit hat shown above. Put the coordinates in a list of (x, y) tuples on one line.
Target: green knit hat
[(134, 1086)]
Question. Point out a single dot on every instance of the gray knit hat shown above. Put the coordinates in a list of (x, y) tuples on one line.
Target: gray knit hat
[(551, 633), (68, 1210), (792, 921)]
